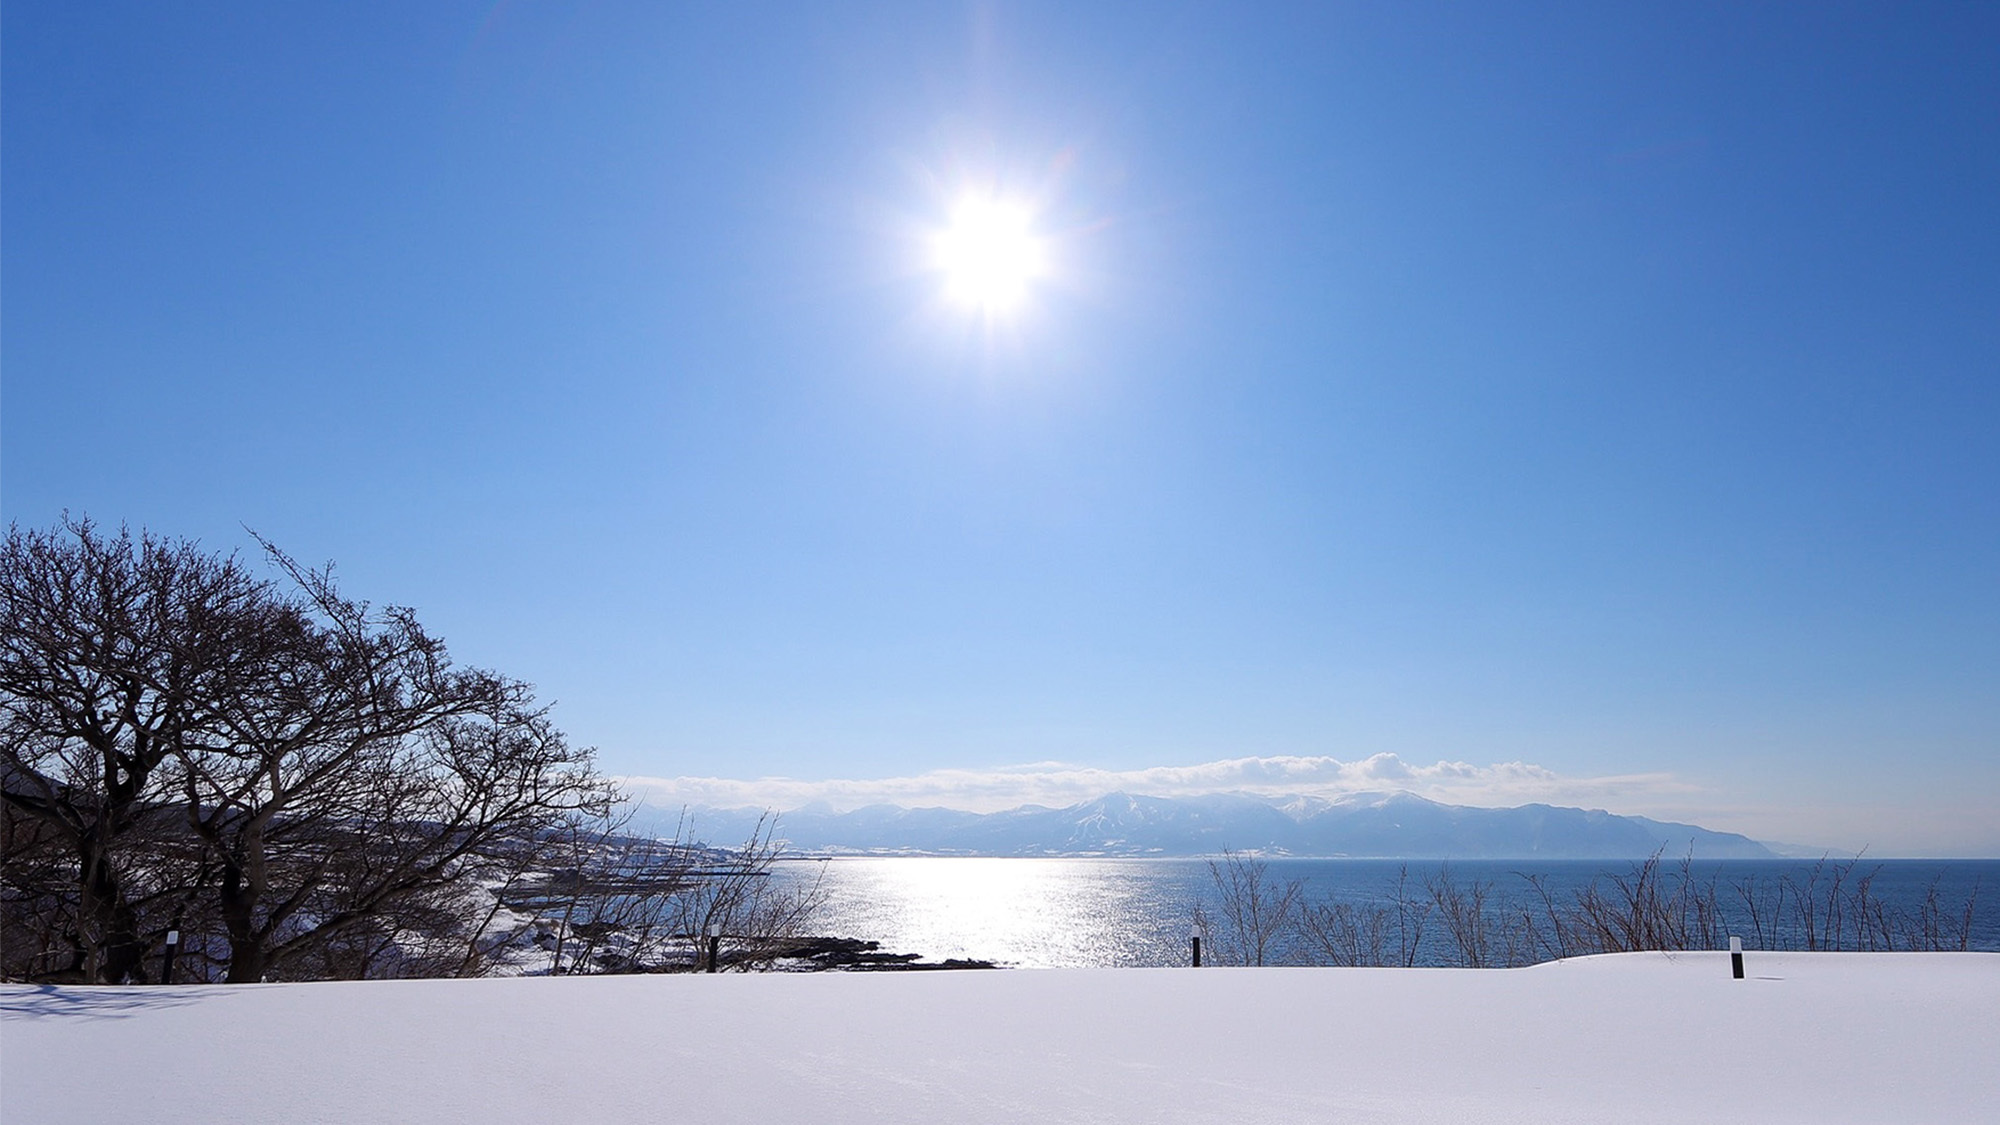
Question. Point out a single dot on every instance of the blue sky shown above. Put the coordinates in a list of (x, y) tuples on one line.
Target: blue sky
[(1590, 403)]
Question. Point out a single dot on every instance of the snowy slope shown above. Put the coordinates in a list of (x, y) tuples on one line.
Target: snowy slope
[(1636, 1037)]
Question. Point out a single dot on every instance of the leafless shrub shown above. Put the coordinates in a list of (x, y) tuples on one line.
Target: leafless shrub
[(760, 917), (1834, 905), (1347, 933), (1255, 911), (1932, 929), (1481, 937), (1653, 906), (623, 903), (1344, 933), (1649, 908)]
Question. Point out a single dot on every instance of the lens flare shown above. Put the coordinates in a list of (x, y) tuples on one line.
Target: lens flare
[(990, 255)]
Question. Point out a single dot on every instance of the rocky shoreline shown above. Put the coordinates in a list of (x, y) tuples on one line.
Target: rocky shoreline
[(834, 954)]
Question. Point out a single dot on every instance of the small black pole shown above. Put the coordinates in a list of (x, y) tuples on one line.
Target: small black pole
[(1736, 957), (1197, 951), (714, 946), (167, 958)]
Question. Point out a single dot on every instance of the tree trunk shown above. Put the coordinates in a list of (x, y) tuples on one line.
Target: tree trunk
[(121, 954), (247, 956)]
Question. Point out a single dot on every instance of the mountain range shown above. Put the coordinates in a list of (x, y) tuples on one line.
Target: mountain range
[(1388, 825)]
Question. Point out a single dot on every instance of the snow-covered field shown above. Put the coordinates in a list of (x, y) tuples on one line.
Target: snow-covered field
[(1636, 1037)]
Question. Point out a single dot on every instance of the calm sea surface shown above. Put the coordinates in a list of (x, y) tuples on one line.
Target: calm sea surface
[(1045, 913)]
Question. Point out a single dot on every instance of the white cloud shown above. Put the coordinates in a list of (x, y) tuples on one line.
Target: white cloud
[(1058, 784)]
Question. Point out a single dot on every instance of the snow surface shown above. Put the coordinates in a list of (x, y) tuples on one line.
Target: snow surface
[(1816, 1037)]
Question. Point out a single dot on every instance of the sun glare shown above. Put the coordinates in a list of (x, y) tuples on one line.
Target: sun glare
[(990, 255)]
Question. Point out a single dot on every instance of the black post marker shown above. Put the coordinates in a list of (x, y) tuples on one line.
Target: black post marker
[(1736, 957), (1197, 951), (714, 946), (167, 958)]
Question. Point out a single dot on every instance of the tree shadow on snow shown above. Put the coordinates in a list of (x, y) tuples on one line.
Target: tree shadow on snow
[(50, 1001)]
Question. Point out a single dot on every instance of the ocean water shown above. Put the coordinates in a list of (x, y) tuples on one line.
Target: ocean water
[(1046, 913)]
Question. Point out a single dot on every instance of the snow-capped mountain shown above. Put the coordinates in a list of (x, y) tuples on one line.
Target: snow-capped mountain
[(1395, 825)]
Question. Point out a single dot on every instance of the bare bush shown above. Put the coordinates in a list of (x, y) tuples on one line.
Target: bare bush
[(1256, 912), (1932, 929), (1481, 936), (739, 900), (1653, 906), (1649, 908), (623, 903), (1344, 933), (1347, 933), (1833, 905)]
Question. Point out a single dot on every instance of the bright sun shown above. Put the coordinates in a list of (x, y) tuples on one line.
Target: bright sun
[(989, 255)]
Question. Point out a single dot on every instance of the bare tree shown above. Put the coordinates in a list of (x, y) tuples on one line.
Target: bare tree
[(109, 651), (302, 784), (39, 934), (356, 773)]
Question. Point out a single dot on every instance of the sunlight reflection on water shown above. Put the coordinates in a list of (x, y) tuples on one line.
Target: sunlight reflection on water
[(1081, 912), (1030, 913)]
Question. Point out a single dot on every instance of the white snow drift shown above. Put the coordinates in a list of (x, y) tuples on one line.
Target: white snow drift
[(1818, 1037)]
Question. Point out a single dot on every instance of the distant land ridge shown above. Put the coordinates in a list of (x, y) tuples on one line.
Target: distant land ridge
[(1372, 825)]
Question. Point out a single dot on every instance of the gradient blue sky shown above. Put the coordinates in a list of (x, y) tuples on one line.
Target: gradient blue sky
[(1596, 403)]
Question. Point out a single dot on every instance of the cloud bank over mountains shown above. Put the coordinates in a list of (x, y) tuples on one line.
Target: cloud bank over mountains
[(1375, 825), (1056, 784)]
